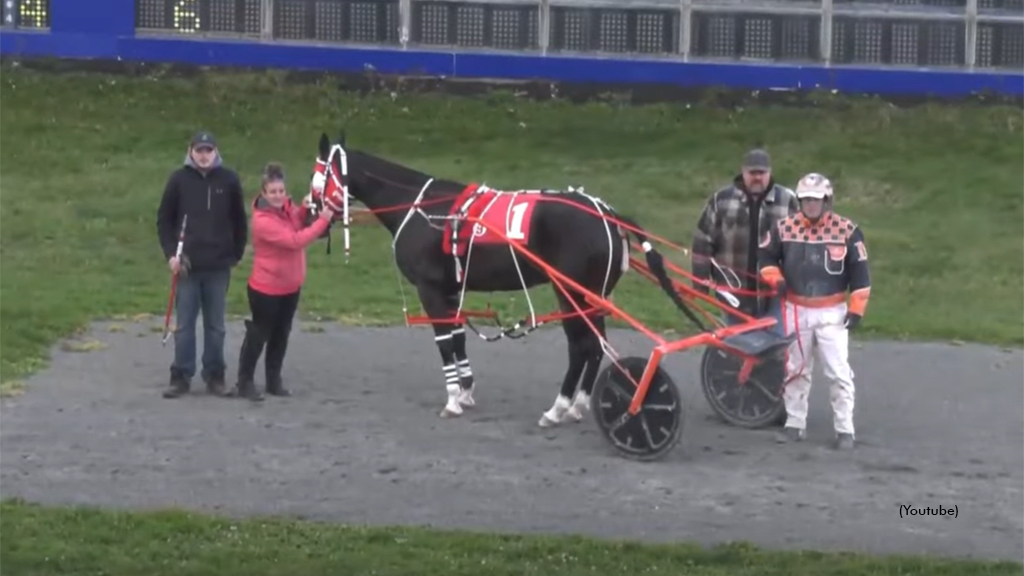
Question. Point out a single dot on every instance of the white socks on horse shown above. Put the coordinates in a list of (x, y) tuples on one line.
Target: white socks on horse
[(564, 411)]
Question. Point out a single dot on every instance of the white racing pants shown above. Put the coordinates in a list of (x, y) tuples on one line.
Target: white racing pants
[(821, 333)]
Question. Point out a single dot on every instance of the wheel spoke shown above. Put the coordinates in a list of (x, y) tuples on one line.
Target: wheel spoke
[(618, 390), (619, 423), (647, 431), (757, 384)]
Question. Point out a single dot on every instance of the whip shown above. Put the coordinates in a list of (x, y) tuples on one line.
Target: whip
[(174, 282)]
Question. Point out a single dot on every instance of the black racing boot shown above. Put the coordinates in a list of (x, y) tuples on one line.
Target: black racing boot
[(780, 422), (789, 434), (252, 347), (844, 441), (273, 362), (179, 385)]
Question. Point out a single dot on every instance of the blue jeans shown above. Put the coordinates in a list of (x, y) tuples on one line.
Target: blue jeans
[(774, 310), (204, 290)]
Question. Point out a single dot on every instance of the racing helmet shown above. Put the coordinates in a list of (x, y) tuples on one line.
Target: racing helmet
[(815, 186)]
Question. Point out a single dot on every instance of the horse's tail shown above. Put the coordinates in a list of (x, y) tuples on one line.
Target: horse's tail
[(656, 263)]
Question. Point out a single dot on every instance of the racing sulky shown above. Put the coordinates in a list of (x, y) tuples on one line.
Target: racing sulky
[(451, 237)]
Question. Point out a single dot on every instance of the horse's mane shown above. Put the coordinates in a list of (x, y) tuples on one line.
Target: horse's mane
[(393, 173)]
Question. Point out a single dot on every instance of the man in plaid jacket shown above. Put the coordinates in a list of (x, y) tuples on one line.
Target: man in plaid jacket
[(735, 218)]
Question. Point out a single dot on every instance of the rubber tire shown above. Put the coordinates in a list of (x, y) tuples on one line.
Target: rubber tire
[(772, 369), (608, 407)]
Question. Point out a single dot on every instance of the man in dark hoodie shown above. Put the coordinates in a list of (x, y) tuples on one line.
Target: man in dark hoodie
[(215, 239), (735, 219)]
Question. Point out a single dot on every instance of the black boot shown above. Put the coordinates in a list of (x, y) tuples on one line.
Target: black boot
[(252, 347), (215, 385), (179, 385), (246, 388), (275, 387), (273, 363)]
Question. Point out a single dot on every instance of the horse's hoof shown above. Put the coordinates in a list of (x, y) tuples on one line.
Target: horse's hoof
[(465, 398), (452, 409), (575, 412), (573, 415), (449, 413), (556, 414), (547, 422)]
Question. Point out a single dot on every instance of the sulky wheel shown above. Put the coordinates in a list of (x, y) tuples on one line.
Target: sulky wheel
[(655, 429), (754, 404)]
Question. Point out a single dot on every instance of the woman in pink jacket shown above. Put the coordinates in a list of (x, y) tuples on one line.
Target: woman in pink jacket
[(278, 272)]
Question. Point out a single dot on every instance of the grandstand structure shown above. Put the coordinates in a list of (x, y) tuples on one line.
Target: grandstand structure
[(605, 37)]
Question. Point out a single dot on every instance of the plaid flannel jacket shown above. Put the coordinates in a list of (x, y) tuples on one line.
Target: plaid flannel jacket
[(724, 233)]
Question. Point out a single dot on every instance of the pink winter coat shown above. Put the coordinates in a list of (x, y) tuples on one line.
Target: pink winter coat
[(279, 243)]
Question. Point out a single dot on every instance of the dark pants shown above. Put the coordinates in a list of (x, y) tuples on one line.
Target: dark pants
[(271, 325)]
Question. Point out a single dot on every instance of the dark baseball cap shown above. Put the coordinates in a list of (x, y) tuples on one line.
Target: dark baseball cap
[(203, 138), (757, 159)]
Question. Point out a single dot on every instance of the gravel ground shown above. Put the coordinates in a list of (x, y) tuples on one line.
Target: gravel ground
[(360, 442)]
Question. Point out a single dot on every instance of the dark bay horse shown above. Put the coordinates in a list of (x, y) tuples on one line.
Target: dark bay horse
[(585, 247)]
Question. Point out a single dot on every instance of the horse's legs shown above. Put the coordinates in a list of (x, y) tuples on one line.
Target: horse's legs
[(434, 302), (576, 331), (461, 358), (593, 354)]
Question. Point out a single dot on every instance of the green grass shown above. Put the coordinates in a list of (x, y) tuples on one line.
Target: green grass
[(49, 541), (937, 190)]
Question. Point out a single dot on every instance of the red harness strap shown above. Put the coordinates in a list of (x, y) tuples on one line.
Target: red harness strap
[(457, 230), (799, 342)]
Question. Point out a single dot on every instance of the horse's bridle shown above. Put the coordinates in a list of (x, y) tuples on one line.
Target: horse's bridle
[(320, 183)]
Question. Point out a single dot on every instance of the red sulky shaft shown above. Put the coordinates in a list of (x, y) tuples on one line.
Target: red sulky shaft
[(592, 298)]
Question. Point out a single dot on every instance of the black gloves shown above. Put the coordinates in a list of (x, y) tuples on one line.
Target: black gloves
[(852, 320)]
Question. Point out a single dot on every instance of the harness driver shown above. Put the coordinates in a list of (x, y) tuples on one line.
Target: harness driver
[(814, 258)]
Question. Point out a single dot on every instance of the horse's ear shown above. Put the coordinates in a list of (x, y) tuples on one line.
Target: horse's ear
[(341, 137), (325, 146)]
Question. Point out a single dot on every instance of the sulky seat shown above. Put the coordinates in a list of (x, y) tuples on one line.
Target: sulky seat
[(761, 343)]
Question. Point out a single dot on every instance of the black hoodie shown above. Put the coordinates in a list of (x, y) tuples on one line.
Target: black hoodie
[(217, 228)]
